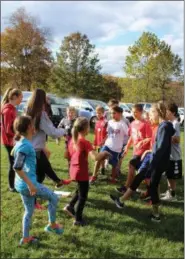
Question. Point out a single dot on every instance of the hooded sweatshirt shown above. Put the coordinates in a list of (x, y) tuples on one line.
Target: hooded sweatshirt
[(162, 147), (8, 115)]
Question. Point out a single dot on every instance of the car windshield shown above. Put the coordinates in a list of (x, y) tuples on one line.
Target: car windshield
[(57, 100), (26, 96), (95, 103), (130, 105)]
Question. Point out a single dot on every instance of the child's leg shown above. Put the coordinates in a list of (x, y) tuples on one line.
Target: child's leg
[(154, 183), (126, 195), (96, 168), (28, 202), (74, 199), (130, 176), (83, 193), (46, 194)]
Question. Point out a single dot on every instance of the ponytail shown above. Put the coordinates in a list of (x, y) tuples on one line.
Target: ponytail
[(5, 98), (75, 134), (80, 125), (17, 136)]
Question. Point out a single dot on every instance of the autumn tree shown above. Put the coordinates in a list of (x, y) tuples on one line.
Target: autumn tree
[(152, 63), (24, 53), (76, 71)]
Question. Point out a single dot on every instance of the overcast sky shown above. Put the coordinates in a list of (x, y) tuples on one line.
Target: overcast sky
[(112, 26)]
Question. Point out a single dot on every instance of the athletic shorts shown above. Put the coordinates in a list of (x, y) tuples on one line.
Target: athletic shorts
[(135, 162), (115, 156), (145, 165), (174, 170)]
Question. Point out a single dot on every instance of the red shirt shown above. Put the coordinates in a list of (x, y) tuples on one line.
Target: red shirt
[(140, 130), (154, 133), (79, 159), (8, 115), (100, 131)]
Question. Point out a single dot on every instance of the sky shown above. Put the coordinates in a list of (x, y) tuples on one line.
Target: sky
[(111, 25)]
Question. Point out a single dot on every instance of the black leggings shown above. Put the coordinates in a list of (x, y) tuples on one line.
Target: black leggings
[(11, 172), (138, 180), (44, 168), (80, 196), (154, 183)]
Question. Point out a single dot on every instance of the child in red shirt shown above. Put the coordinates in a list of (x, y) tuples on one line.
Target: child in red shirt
[(140, 135), (100, 133), (79, 148)]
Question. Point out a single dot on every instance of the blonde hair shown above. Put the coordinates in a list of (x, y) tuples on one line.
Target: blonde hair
[(71, 109), (161, 109), (80, 125), (100, 109), (9, 95)]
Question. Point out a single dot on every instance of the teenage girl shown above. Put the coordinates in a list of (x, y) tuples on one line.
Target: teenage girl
[(160, 158), (79, 149), (26, 180), (11, 98)]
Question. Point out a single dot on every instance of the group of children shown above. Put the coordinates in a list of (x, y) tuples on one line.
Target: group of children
[(156, 149)]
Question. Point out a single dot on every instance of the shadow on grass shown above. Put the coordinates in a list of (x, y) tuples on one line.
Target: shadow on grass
[(162, 230)]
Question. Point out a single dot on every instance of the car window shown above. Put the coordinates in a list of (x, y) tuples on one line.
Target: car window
[(148, 105), (75, 103), (85, 105)]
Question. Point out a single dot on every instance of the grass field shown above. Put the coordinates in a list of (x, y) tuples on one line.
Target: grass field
[(111, 233)]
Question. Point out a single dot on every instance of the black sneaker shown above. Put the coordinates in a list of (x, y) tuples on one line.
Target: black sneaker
[(103, 171), (69, 210), (12, 190), (119, 204), (155, 218), (121, 189), (80, 223)]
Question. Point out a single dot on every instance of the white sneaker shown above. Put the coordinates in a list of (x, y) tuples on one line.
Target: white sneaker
[(164, 194), (169, 197)]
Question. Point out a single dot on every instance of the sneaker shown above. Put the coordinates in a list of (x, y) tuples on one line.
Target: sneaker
[(57, 230), (112, 181), (92, 179), (69, 210), (168, 197), (63, 182), (12, 190), (164, 193), (119, 204), (155, 218), (80, 223), (121, 189), (145, 196), (38, 206), (30, 241), (103, 171)]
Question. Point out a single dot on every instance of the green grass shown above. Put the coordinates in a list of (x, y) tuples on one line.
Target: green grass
[(111, 233)]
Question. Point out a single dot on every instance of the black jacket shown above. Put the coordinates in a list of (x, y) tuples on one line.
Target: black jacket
[(162, 147)]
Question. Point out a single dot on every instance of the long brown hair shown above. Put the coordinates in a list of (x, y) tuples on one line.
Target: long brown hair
[(35, 106), (9, 95), (161, 109), (21, 125), (80, 125)]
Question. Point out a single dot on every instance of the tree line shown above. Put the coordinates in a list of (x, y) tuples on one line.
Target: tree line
[(28, 63)]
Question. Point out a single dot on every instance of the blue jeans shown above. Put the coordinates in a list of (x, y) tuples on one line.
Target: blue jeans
[(29, 205)]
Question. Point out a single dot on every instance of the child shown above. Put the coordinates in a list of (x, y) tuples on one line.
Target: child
[(145, 161), (67, 124), (117, 131), (11, 98), (26, 180), (79, 148), (159, 161), (175, 167), (140, 135), (100, 133)]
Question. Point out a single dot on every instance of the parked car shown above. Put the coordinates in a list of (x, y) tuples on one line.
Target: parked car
[(86, 108), (126, 112), (146, 106), (181, 116), (129, 105)]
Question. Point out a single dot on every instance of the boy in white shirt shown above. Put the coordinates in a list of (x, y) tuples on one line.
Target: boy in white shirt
[(117, 132)]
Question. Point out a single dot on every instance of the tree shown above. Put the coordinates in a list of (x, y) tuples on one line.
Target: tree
[(152, 62), (76, 71), (24, 54), (110, 88)]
